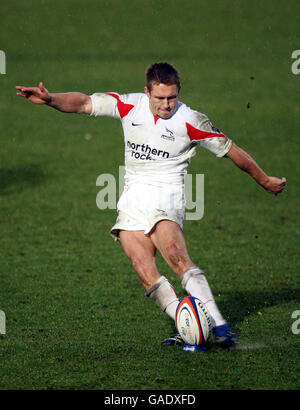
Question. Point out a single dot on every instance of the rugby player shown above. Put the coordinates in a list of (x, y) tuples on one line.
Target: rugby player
[(161, 135)]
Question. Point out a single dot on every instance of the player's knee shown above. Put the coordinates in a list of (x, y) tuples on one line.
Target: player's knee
[(175, 254)]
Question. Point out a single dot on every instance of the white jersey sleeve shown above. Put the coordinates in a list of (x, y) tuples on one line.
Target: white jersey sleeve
[(104, 105), (204, 133), (113, 104)]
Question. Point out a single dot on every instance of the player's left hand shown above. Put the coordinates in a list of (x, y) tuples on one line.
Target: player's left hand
[(275, 185)]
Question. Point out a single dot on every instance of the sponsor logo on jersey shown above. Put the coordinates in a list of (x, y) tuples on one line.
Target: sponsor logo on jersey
[(145, 151)]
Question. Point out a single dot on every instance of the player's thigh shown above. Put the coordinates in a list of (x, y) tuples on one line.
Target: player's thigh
[(168, 238), (141, 251)]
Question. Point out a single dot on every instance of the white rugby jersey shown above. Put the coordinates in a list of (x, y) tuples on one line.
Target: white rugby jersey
[(158, 151)]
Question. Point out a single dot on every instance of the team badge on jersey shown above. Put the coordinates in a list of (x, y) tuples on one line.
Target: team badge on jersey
[(169, 137)]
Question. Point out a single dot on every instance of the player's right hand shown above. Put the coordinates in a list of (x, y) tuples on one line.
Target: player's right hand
[(37, 95)]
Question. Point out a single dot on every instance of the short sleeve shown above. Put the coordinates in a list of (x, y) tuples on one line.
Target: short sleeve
[(202, 131), (104, 105)]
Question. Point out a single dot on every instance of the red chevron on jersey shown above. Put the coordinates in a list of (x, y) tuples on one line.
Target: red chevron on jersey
[(196, 135), (156, 118), (122, 107)]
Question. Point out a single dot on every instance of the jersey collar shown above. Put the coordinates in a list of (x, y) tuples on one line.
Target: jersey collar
[(156, 117)]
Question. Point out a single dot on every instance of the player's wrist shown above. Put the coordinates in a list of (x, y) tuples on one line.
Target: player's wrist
[(48, 99), (260, 177), (265, 183)]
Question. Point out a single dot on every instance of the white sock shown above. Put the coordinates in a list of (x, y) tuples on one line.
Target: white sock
[(171, 309), (195, 283), (164, 295)]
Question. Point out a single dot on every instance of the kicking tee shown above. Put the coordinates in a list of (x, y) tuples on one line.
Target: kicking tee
[(157, 153)]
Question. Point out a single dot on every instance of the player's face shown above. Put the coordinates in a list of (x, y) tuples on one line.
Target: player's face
[(162, 99)]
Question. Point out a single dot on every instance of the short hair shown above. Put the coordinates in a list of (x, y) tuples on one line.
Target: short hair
[(161, 73)]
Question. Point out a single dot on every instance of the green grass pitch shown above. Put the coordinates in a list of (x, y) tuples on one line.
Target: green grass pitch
[(76, 314)]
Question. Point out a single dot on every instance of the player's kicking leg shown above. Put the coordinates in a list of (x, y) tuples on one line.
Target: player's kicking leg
[(141, 252), (169, 240)]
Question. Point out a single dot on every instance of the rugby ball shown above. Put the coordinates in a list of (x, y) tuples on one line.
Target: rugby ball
[(193, 321)]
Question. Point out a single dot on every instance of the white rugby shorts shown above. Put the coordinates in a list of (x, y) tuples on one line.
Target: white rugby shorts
[(141, 206), (126, 222)]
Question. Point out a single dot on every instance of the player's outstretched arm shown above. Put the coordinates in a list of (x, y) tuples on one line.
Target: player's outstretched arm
[(244, 161), (72, 102)]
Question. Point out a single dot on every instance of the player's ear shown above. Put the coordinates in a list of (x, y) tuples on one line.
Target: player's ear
[(147, 92)]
